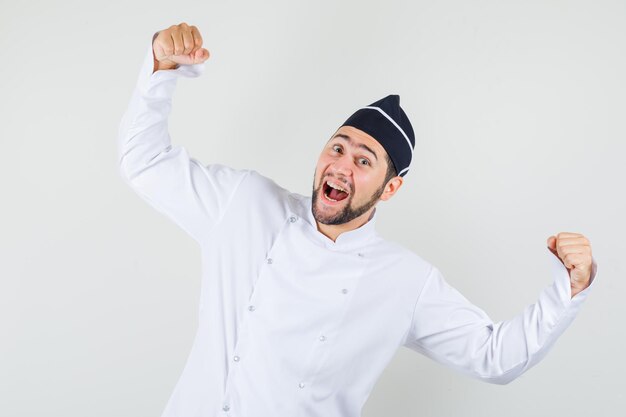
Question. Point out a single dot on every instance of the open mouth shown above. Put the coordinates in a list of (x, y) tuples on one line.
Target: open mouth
[(334, 192)]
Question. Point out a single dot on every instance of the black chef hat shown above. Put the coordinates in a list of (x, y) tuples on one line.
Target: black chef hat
[(386, 122)]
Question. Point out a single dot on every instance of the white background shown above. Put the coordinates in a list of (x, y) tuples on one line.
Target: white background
[(518, 109)]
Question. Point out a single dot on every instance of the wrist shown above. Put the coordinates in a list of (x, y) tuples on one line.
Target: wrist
[(576, 290)]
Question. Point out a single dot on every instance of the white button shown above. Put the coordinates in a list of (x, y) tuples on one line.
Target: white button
[(360, 254), (322, 338), (269, 260), (345, 291), (236, 358), (226, 408), (251, 308), (292, 219), (301, 384)]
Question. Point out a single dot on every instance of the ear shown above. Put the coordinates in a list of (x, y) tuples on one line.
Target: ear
[(393, 185)]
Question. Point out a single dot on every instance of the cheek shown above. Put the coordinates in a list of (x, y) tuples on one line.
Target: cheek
[(322, 164), (368, 182), (319, 172)]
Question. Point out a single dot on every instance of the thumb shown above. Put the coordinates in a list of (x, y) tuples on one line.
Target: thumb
[(200, 55)]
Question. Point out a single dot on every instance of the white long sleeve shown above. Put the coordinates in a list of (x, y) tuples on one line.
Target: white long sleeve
[(192, 195), (449, 329)]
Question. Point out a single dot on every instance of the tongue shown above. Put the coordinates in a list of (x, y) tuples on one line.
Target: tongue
[(337, 195)]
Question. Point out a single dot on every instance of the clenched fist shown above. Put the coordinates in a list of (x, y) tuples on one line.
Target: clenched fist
[(178, 45), (574, 251)]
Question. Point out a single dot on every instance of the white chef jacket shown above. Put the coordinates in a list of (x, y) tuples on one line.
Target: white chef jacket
[(292, 324)]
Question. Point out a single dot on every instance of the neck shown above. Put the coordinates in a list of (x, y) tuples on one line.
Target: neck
[(332, 231)]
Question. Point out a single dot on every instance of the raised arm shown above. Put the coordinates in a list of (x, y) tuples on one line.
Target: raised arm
[(452, 331), (192, 195)]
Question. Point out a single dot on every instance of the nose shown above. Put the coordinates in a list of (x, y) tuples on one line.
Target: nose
[(343, 166)]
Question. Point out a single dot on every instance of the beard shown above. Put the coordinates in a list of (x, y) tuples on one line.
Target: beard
[(348, 212)]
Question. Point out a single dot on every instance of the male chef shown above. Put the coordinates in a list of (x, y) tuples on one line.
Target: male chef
[(302, 303)]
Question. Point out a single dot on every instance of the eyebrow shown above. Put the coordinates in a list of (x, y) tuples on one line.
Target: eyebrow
[(360, 145)]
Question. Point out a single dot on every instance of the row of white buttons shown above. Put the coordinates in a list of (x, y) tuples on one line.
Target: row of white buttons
[(322, 338), (236, 358)]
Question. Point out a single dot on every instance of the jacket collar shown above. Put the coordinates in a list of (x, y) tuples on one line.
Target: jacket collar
[(351, 239)]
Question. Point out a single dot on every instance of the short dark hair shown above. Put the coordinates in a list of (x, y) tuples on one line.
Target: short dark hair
[(391, 169)]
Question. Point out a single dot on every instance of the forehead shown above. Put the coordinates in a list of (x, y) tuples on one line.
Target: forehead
[(360, 137)]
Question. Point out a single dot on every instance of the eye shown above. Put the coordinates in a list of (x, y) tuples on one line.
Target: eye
[(336, 148), (364, 161)]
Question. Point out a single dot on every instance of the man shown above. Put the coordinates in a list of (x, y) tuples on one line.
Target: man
[(302, 304)]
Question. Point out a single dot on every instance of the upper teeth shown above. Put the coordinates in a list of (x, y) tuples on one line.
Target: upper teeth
[(336, 186)]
